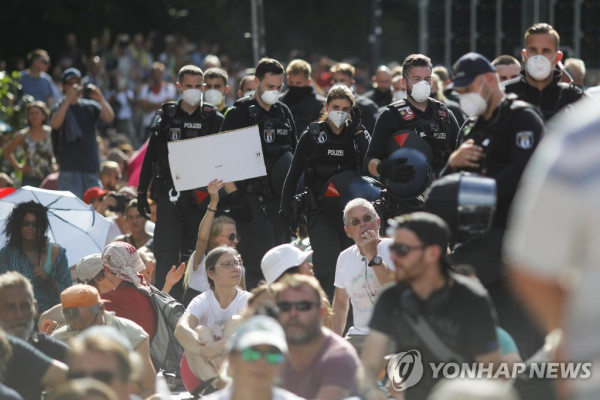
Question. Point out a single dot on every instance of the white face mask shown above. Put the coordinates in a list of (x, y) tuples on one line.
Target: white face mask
[(473, 104), (420, 91), (539, 67), (270, 97), (213, 96), (338, 118), (192, 96), (248, 93), (400, 95)]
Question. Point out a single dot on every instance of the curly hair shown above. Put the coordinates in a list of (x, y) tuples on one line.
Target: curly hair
[(13, 225)]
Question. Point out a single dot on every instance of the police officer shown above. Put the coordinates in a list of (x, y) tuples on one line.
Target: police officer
[(499, 136), (343, 73), (178, 213), (254, 203), (418, 113), (497, 141), (329, 147), (418, 121), (539, 83)]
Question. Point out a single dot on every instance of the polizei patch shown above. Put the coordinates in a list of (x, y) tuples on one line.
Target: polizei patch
[(525, 140)]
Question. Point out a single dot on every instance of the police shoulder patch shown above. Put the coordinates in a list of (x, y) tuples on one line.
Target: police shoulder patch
[(406, 113), (525, 140)]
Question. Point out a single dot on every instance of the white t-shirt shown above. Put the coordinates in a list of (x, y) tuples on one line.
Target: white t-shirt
[(278, 394), (167, 92), (207, 309), (198, 279), (555, 226), (360, 282)]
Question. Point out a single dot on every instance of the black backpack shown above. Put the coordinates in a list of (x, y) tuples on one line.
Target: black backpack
[(165, 350)]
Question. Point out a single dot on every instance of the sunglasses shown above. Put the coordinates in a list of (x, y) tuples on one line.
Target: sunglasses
[(366, 219), (26, 224), (253, 355), (232, 236), (72, 313), (286, 306), (401, 249), (102, 376)]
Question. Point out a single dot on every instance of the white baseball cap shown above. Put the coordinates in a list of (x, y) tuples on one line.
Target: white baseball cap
[(257, 330), (281, 258), (88, 267)]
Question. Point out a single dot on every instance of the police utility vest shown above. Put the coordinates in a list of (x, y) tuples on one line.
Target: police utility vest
[(492, 135), (434, 131), (275, 132), (171, 127), (329, 155)]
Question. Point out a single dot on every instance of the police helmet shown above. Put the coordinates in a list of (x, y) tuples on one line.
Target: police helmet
[(423, 174), (405, 138), (280, 170), (346, 186), (466, 201)]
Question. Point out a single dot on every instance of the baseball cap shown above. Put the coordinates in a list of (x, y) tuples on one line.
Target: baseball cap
[(70, 73), (257, 330), (281, 258), (93, 193), (429, 228), (80, 295), (88, 267), (467, 68)]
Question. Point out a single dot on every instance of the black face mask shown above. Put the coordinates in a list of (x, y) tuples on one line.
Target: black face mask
[(295, 93)]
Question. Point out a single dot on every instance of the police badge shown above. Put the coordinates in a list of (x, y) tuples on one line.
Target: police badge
[(269, 132), (269, 135), (525, 140), (174, 134)]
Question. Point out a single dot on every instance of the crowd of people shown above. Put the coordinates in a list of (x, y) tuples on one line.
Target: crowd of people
[(395, 229)]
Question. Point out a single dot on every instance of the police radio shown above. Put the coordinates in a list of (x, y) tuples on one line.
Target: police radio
[(253, 112)]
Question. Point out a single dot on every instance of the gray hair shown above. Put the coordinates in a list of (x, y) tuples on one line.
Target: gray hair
[(358, 202)]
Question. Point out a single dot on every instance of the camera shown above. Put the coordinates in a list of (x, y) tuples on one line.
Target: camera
[(87, 91), (122, 202)]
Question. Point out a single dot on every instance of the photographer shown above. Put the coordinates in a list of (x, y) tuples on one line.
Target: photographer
[(73, 123), (110, 205)]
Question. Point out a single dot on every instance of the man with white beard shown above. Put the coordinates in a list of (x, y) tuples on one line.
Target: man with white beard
[(18, 309)]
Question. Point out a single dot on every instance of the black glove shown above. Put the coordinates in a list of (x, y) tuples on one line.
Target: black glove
[(142, 205), (239, 207), (396, 170), (354, 119)]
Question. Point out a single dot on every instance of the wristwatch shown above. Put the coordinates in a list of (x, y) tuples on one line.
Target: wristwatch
[(375, 261)]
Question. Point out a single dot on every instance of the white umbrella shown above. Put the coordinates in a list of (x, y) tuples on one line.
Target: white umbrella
[(73, 224)]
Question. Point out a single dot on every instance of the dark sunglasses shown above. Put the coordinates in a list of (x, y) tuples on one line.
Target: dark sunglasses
[(286, 306), (366, 219), (253, 355), (26, 224), (232, 236), (72, 313), (102, 376), (402, 249)]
